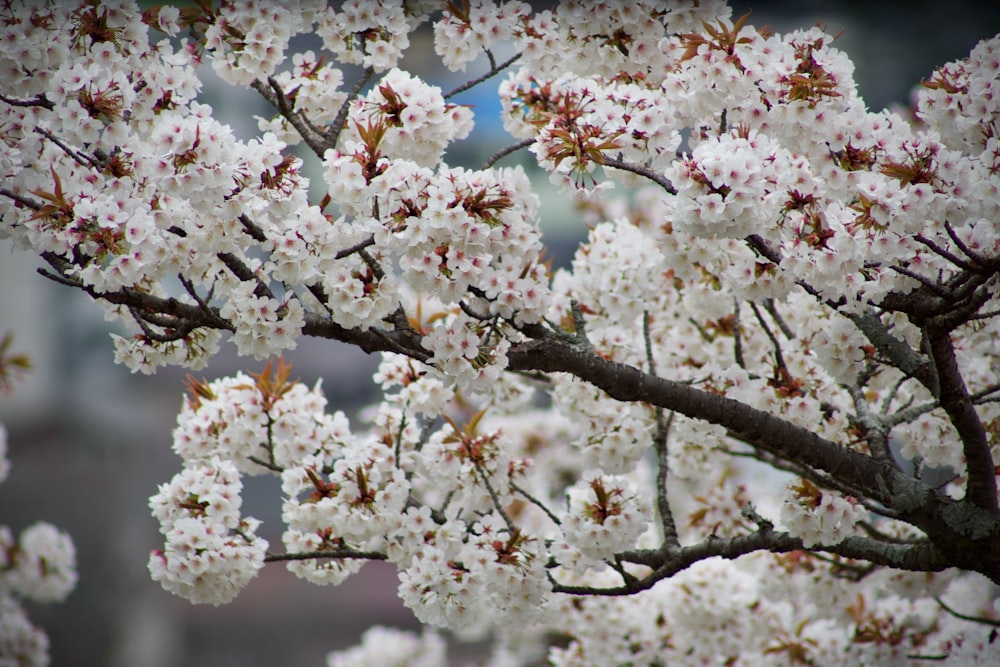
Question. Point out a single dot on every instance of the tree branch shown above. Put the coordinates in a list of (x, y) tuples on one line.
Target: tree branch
[(618, 163), (981, 487), (913, 557), (760, 428), (20, 199), (276, 96), (504, 152), (340, 120), (333, 553), (37, 101), (895, 351), (962, 530), (494, 70), (966, 617)]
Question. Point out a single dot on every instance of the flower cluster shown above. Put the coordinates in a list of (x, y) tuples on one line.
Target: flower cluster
[(40, 565), (263, 324), (372, 34), (258, 422), (348, 502), (392, 648), (578, 123), (468, 353), (730, 184), (403, 117), (612, 436), (210, 551), (959, 102), (418, 392), (607, 38), (819, 517), (21, 642), (248, 38), (467, 29), (473, 465), (605, 515), (468, 578)]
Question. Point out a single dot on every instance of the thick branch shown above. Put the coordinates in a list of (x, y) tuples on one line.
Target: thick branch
[(760, 428), (963, 531), (893, 350), (403, 341), (981, 488), (922, 557)]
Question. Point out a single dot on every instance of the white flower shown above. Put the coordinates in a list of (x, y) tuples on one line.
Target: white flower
[(606, 515), (819, 517), (44, 566), (392, 648), (20, 641), (210, 552)]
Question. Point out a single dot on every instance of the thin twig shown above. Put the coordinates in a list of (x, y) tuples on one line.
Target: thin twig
[(37, 101), (504, 152), (985, 316), (776, 316), (243, 272), (965, 617), (737, 337), (357, 247), (340, 120), (618, 163), (819, 479), (779, 360), (660, 438), (333, 553), (468, 310), (511, 526), (891, 395), (273, 467), (536, 502), (80, 158), (190, 289), (20, 199), (877, 534), (954, 259), (61, 279), (494, 70), (931, 286), (971, 254)]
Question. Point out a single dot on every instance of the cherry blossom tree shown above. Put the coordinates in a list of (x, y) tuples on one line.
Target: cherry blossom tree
[(755, 422)]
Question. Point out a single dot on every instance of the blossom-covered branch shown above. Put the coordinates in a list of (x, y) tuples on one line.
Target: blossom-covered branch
[(766, 380)]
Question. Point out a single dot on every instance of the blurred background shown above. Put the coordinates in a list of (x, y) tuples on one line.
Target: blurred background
[(89, 442)]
